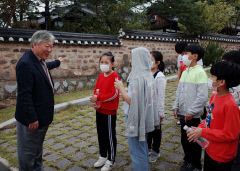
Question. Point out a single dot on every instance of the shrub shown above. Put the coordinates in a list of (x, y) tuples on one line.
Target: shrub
[(213, 52)]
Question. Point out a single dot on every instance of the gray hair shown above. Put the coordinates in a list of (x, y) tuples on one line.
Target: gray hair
[(41, 36)]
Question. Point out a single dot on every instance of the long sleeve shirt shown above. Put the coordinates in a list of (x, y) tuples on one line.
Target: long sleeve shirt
[(108, 94), (192, 92), (160, 85), (222, 127)]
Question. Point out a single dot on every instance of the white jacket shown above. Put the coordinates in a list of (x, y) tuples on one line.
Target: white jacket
[(160, 85)]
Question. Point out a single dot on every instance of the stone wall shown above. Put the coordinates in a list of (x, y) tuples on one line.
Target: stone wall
[(80, 66)]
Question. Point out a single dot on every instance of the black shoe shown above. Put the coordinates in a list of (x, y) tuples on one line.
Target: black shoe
[(186, 166), (195, 168)]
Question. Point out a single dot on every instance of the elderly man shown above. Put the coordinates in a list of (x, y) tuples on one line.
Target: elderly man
[(35, 100)]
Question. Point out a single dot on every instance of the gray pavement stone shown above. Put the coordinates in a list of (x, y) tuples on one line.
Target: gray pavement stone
[(168, 145), (68, 150), (94, 139), (176, 138), (71, 140), (47, 168), (4, 145), (79, 117), (45, 151), (88, 119), (180, 149), (81, 144), (163, 152), (174, 157), (171, 129), (164, 166), (94, 130), (89, 162), (15, 154), (75, 168), (75, 131), (6, 131), (120, 147), (128, 168), (63, 163), (58, 146), (120, 161), (51, 157), (78, 123), (55, 132), (165, 134), (84, 135), (66, 128), (49, 141), (59, 125), (85, 127), (92, 149), (79, 156), (165, 121), (62, 136), (11, 148), (118, 128), (120, 137)]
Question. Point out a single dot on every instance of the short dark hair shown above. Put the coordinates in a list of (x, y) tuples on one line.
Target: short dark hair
[(228, 71), (195, 49), (232, 56), (180, 47), (109, 54), (159, 57)]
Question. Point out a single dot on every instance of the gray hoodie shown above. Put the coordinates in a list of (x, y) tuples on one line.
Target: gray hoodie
[(142, 115)]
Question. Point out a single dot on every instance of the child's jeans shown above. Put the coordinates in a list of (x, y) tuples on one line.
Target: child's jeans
[(139, 154)]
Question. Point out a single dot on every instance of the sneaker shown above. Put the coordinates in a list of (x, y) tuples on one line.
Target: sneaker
[(178, 123), (154, 156), (149, 152), (186, 166), (108, 166), (101, 161)]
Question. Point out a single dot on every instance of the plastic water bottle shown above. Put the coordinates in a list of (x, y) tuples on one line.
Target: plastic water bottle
[(97, 103), (203, 142)]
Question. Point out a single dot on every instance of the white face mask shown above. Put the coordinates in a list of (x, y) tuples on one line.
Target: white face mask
[(152, 66), (210, 85), (186, 61), (104, 68)]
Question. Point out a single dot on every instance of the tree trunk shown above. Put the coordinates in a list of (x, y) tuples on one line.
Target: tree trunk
[(236, 23), (47, 15)]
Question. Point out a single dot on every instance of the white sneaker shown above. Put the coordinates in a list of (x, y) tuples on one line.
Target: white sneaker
[(108, 166), (101, 161)]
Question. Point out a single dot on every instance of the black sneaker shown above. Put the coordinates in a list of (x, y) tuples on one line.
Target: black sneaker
[(186, 166)]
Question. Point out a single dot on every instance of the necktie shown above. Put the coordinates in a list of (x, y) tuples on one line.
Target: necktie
[(46, 71)]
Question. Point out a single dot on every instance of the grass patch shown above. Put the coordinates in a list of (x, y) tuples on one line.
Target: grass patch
[(60, 98), (8, 113)]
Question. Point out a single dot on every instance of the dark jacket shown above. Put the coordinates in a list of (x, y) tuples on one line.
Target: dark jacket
[(35, 99)]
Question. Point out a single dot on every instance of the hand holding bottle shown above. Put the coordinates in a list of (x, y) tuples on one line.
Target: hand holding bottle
[(195, 134)]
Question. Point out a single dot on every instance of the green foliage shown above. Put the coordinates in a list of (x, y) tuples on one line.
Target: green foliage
[(213, 52), (110, 17), (187, 12), (215, 15)]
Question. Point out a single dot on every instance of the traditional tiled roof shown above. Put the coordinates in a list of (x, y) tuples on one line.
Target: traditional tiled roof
[(172, 37), (82, 39), (154, 36), (24, 35), (220, 37)]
